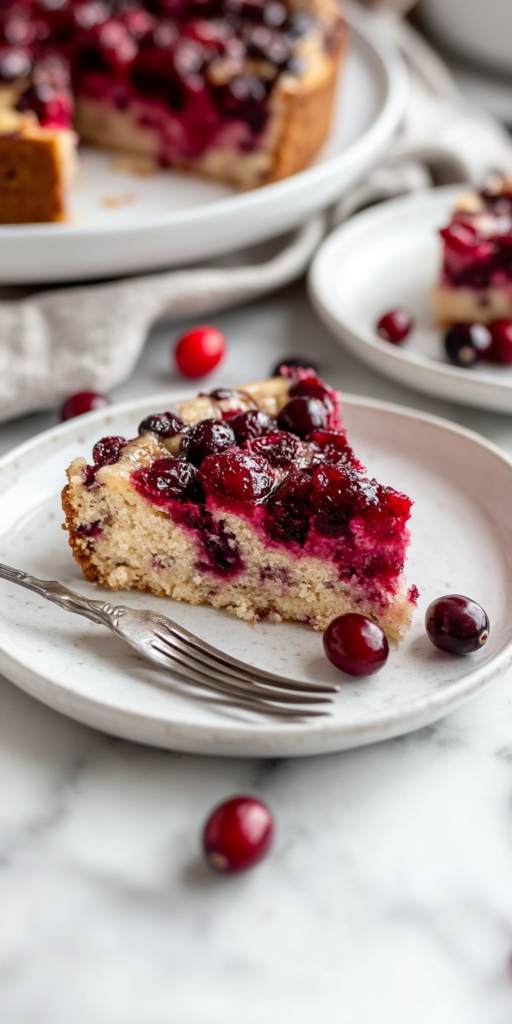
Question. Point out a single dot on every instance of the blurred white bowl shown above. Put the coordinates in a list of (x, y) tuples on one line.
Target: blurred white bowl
[(480, 30)]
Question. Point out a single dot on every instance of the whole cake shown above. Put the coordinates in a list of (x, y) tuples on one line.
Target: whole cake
[(476, 277), (238, 90), (251, 500)]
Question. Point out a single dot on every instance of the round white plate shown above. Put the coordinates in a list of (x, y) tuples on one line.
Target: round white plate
[(390, 256), (126, 224), (461, 543)]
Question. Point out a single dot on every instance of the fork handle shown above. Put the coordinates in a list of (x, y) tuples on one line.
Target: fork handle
[(57, 594)]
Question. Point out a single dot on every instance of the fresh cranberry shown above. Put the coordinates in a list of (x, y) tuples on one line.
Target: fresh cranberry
[(251, 424), (303, 415), (238, 834), (165, 424), (301, 362), (356, 644), (278, 448), (466, 343), (501, 346), (108, 451), (340, 495), (311, 387), (236, 476), (395, 326), (169, 480), (457, 624), (208, 437), (199, 351), (289, 508), (83, 401)]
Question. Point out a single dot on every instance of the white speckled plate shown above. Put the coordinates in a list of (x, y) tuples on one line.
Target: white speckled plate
[(123, 224), (386, 257), (462, 542)]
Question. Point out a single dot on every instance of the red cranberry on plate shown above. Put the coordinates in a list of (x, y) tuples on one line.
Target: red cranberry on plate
[(238, 834), (165, 424), (251, 424), (395, 326), (303, 415), (207, 437), (200, 350), (301, 362), (457, 624), (501, 345), (107, 451), (235, 476), (83, 401), (467, 343), (356, 644)]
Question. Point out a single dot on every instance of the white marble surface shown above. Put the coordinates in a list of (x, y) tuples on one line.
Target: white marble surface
[(387, 898)]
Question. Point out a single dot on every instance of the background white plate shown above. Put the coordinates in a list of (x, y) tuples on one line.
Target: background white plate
[(461, 543), (174, 218), (390, 256)]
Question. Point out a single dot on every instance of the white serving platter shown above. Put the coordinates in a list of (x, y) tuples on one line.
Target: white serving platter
[(126, 224), (461, 530), (390, 256)]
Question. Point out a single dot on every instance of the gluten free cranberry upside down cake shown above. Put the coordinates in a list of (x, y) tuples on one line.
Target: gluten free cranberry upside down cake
[(250, 500), (238, 90)]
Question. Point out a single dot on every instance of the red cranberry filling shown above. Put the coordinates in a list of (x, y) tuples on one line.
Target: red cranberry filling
[(303, 415), (340, 494), (332, 446), (106, 452), (209, 437), (289, 509), (311, 387), (278, 448), (169, 480), (165, 424), (236, 476), (251, 424)]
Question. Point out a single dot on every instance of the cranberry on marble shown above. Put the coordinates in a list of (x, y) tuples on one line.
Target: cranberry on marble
[(457, 624), (236, 476), (82, 402), (301, 362), (356, 644), (199, 351), (238, 834), (279, 448), (208, 437), (289, 508), (395, 326), (251, 424), (107, 451), (501, 344), (165, 424), (169, 480), (302, 415), (466, 343)]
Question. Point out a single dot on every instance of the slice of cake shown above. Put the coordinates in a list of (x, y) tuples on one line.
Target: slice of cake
[(476, 277), (238, 90), (251, 500)]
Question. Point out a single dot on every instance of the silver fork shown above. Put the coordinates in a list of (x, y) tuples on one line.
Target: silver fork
[(191, 659)]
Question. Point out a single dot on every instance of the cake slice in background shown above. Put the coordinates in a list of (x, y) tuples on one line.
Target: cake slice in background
[(251, 500)]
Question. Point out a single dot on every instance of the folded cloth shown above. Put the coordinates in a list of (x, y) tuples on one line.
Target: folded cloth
[(58, 341)]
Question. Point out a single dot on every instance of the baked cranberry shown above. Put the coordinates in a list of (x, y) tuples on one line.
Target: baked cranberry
[(199, 351), (395, 326), (82, 402), (303, 415), (251, 424), (289, 508), (278, 448), (457, 624), (245, 97), (466, 343), (208, 437), (340, 495), (238, 834), (301, 362), (356, 644), (165, 424), (169, 480), (108, 451), (311, 387), (501, 345), (332, 446), (236, 476)]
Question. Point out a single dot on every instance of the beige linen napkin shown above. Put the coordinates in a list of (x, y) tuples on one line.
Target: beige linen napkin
[(58, 341)]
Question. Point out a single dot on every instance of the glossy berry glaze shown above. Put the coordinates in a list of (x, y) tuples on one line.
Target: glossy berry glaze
[(238, 834), (196, 72), (306, 494), (478, 244)]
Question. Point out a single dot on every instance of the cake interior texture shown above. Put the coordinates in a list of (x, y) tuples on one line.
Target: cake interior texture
[(476, 278), (250, 500), (238, 90)]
